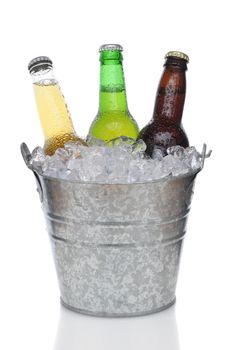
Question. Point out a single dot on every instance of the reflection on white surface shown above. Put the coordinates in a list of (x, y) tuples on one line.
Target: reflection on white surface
[(157, 331)]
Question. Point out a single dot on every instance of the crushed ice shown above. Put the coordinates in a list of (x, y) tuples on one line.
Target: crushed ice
[(120, 161)]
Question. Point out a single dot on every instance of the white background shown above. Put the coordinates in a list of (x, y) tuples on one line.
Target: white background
[(70, 32)]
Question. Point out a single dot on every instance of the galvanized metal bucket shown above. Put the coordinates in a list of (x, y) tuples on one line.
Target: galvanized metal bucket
[(116, 247)]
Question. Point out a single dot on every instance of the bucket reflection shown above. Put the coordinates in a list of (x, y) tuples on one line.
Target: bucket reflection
[(157, 331)]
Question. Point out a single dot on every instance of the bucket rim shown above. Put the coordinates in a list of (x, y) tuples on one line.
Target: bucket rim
[(93, 183), (27, 157)]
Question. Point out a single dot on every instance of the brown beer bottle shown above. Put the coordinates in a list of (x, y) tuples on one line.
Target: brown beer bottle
[(165, 129)]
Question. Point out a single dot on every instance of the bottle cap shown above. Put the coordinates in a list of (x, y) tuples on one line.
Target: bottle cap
[(39, 62), (178, 54), (110, 47)]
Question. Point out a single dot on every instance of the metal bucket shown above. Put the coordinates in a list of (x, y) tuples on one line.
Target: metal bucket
[(116, 247)]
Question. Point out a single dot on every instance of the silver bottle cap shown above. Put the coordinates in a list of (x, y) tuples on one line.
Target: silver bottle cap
[(110, 47), (38, 62)]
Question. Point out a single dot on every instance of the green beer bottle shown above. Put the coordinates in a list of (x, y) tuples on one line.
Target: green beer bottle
[(113, 118)]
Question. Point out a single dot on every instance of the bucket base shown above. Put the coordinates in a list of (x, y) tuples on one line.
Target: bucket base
[(106, 314)]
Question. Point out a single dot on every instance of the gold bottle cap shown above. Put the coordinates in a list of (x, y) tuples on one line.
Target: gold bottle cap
[(177, 54)]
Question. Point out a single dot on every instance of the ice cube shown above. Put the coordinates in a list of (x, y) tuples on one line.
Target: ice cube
[(176, 151), (37, 158), (93, 141), (138, 148), (171, 165), (54, 167), (192, 158), (157, 154), (62, 154), (74, 149)]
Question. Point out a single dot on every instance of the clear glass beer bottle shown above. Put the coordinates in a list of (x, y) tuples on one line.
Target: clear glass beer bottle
[(113, 118), (165, 129), (53, 111)]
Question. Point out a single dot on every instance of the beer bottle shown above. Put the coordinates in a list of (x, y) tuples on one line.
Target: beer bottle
[(53, 112), (165, 129), (113, 118)]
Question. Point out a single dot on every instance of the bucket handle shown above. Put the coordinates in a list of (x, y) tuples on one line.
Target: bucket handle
[(204, 155), (26, 154)]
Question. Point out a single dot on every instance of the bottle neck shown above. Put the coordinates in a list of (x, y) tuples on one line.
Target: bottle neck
[(112, 96), (52, 108), (43, 77), (171, 91)]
